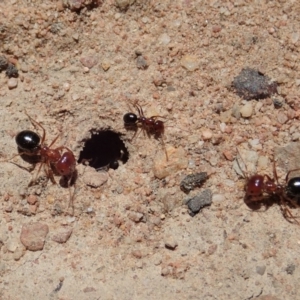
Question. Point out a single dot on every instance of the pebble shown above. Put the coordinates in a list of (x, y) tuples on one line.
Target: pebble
[(196, 203), (12, 245), (135, 216), (177, 160), (105, 65), (89, 61), (62, 236), (190, 62), (164, 39), (263, 162), (282, 118), (252, 84), (24, 68), (260, 270), (66, 86), (123, 4), (170, 243), (141, 62), (93, 178), (192, 180), (32, 199), (33, 236), (12, 83), (247, 110), (218, 198), (206, 134)]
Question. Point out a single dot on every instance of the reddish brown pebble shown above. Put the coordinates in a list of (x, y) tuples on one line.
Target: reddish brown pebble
[(33, 236), (228, 155), (89, 61), (32, 199)]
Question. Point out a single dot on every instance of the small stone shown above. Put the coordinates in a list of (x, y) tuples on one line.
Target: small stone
[(177, 160), (171, 243), (32, 199), (12, 83), (193, 180), (164, 39), (252, 84), (135, 216), (24, 68), (141, 62), (12, 245), (11, 71), (218, 198), (282, 118), (260, 270), (247, 110), (196, 203), (190, 62), (66, 86), (137, 253), (206, 134), (93, 178), (75, 37), (63, 235), (33, 236), (89, 61), (290, 269), (123, 4), (228, 155), (105, 65)]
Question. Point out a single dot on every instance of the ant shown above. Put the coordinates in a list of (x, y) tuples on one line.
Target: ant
[(263, 188), (152, 126), (292, 189), (60, 160)]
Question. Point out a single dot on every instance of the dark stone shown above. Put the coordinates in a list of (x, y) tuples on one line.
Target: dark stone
[(252, 84), (193, 180), (196, 203)]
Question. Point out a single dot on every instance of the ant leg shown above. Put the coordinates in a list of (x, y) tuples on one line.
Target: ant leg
[(275, 172), (287, 214), (33, 181), (165, 149), (289, 172), (35, 123), (50, 173), (53, 141)]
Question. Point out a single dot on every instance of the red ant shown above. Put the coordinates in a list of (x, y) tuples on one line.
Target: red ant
[(60, 160), (261, 188), (151, 125)]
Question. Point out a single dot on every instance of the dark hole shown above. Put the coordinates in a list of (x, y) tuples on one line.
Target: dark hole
[(104, 149)]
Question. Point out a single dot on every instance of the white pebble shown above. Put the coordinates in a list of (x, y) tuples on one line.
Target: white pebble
[(223, 127), (164, 39), (12, 83), (247, 110), (66, 86)]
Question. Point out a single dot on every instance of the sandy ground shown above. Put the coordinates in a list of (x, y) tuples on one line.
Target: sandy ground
[(80, 65)]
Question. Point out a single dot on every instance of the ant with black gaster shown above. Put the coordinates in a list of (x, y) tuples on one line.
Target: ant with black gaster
[(152, 126), (60, 160), (264, 189)]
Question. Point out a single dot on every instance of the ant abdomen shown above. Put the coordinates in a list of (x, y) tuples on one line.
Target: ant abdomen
[(28, 140), (130, 118)]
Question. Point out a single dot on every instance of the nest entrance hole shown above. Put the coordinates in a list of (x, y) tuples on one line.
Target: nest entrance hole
[(104, 149)]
